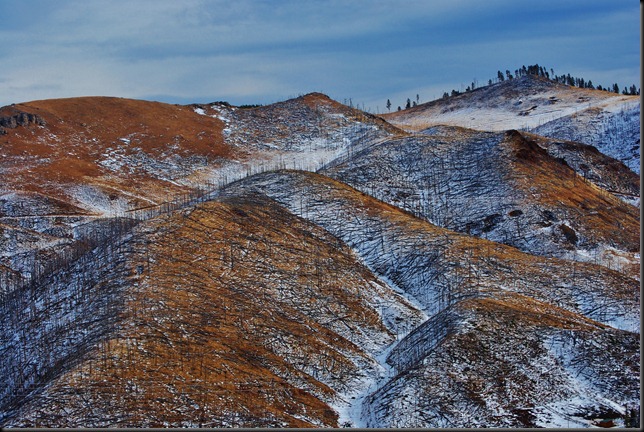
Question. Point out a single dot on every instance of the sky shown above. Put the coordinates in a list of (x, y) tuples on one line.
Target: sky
[(261, 52)]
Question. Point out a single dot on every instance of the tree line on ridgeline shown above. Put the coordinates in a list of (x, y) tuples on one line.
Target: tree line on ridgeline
[(534, 70)]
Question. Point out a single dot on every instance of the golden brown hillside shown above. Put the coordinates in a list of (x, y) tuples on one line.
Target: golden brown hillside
[(228, 321), (79, 141), (599, 216)]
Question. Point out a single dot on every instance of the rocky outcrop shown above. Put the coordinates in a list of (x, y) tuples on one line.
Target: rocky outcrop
[(20, 119)]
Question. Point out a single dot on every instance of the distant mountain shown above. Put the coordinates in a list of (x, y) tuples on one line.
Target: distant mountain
[(469, 262)]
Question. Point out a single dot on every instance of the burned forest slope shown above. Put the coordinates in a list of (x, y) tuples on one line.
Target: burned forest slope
[(503, 187), (307, 264), (451, 277), (219, 320)]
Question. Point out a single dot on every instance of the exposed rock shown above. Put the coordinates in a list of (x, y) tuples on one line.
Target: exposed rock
[(20, 119)]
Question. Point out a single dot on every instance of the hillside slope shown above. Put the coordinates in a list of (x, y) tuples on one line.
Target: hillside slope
[(519, 103), (305, 264), (504, 187), (300, 133), (208, 317), (70, 162), (217, 320), (443, 271), (90, 151), (614, 130)]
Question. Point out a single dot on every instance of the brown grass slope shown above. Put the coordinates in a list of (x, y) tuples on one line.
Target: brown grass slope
[(601, 216), (65, 162), (604, 171), (438, 266), (224, 319), (101, 156), (236, 313), (75, 137)]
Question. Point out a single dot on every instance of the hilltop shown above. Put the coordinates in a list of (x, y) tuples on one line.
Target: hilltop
[(528, 101), (539, 105)]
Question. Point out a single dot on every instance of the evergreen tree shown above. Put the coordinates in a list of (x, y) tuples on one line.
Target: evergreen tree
[(408, 105), (500, 76), (388, 105)]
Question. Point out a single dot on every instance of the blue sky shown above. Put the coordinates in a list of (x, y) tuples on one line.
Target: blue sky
[(252, 51)]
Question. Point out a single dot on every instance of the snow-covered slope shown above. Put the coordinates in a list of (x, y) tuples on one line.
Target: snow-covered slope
[(301, 133), (510, 362), (608, 121), (526, 102), (614, 129)]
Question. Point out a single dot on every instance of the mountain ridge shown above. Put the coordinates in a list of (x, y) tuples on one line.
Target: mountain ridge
[(306, 264)]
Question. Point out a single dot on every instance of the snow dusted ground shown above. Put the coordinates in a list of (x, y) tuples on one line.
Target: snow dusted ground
[(465, 180), (608, 121), (498, 369), (420, 264), (613, 128), (474, 333), (523, 103)]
